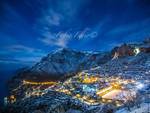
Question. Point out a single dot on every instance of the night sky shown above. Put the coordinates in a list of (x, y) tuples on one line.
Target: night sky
[(30, 29)]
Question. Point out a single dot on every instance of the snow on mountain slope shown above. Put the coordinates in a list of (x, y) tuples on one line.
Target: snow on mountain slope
[(65, 61), (128, 67), (59, 65)]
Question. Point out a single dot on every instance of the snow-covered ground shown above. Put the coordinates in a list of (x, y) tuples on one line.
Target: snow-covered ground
[(144, 108), (118, 94)]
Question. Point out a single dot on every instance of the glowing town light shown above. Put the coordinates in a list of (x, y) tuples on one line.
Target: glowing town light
[(25, 82), (139, 86), (136, 51), (12, 99)]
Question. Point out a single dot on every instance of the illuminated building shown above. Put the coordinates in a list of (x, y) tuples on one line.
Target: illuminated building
[(136, 51), (91, 79)]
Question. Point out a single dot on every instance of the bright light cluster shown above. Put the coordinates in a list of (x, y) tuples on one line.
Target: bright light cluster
[(37, 83), (136, 51)]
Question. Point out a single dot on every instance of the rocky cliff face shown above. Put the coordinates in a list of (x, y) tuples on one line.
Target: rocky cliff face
[(131, 49), (123, 50)]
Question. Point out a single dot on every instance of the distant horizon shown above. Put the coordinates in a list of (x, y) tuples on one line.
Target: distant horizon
[(21, 64)]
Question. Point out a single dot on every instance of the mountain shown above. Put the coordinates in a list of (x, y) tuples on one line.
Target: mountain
[(66, 61), (63, 62), (90, 73), (59, 65)]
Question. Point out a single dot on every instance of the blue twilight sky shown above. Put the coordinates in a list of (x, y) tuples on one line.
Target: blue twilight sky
[(30, 29)]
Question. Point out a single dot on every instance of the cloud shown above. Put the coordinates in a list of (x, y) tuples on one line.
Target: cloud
[(130, 28), (20, 51), (20, 60), (18, 48), (69, 8), (60, 39), (51, 18), (55, 16), (57, 13), (26, 51), (6, 39), (139, 36), (20, 54), (102, 25)]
